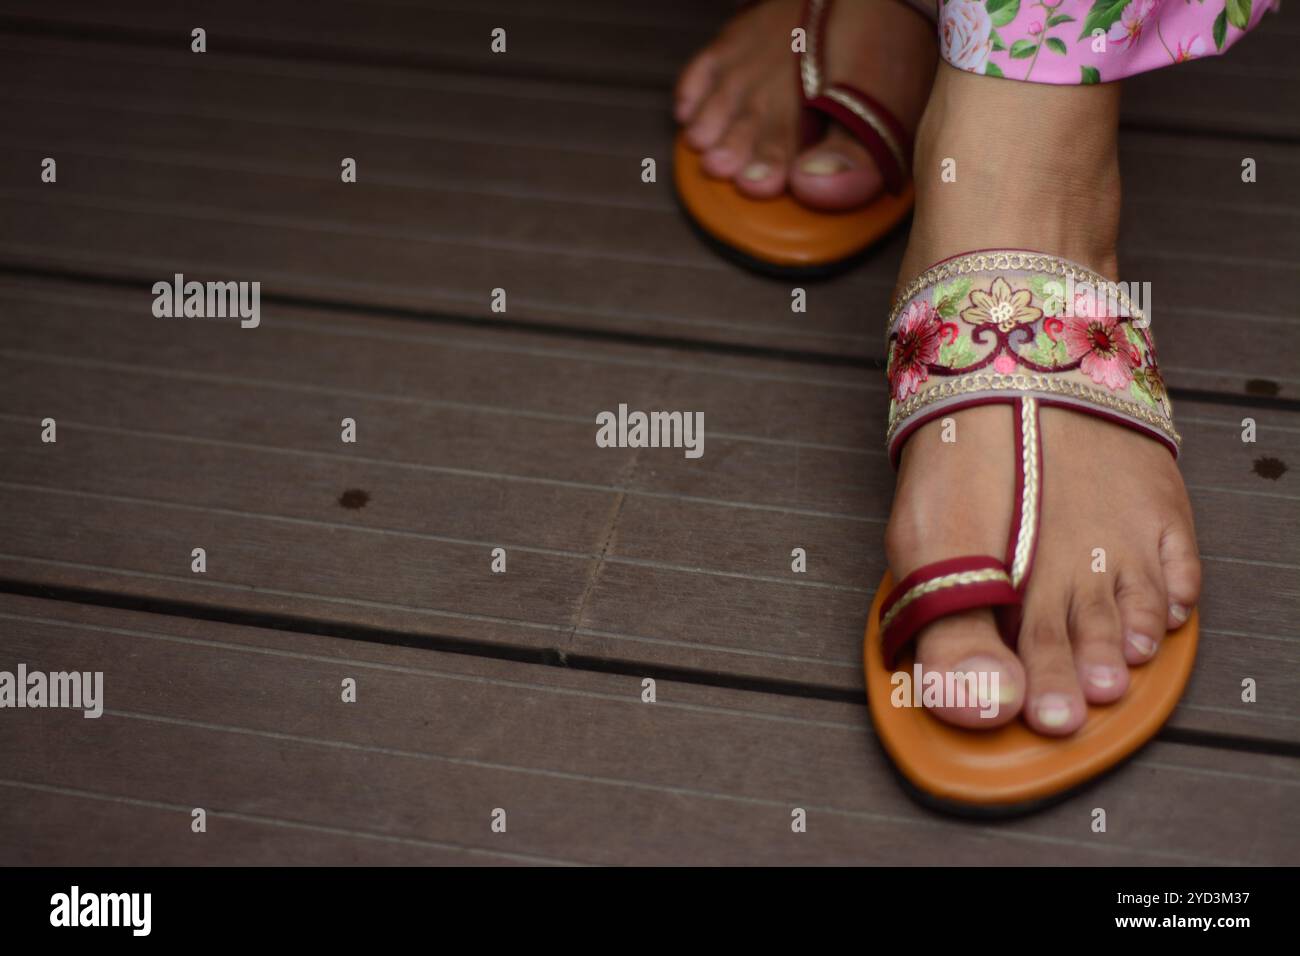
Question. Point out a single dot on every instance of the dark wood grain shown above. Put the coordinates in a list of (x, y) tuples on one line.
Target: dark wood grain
[(610, 44), (199, 435), (521, 171), (586, 771), (36, 821), (1242, 93), (231, 167)]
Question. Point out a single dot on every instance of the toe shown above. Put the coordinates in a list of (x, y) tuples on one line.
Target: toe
[(1181, 569), (716, 112), (1055, 704), (694, 84), (968, 644), (764, 174), (837, 173), (734, 150), (1143, 608), (1097, 637)]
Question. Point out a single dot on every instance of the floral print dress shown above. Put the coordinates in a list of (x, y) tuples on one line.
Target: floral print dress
[(1088, 41)]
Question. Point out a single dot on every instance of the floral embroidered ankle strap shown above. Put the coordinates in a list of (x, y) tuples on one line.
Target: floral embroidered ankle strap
[(1005, 324)]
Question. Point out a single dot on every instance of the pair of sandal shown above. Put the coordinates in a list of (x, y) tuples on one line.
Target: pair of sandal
[(1010, 335)]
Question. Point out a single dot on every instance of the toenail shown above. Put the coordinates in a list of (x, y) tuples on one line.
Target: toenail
[(1102, 677), (1006, 688), (756, 171), (1178, 612), (823, 164), (1053, 710), (1142, 644), (1007, 692)]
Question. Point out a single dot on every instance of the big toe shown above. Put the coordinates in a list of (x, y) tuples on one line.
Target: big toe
[(983, 682), (835, 174)]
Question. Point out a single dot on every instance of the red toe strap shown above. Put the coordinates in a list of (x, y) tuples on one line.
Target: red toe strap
[(870, 122), (865, 117), (937, 590)]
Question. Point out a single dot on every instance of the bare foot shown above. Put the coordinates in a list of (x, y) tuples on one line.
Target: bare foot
[(1036, 168), (739, 101)]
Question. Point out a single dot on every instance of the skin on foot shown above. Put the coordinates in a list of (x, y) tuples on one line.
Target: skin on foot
[(1036, 168), (739, 103)]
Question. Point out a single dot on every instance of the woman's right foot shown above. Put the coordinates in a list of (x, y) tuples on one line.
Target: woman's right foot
[(1035, 167), (740, 104)]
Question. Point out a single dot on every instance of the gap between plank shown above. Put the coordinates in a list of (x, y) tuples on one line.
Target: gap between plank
[(549, 657)]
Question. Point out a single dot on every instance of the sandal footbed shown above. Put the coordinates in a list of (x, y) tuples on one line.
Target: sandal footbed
[(1012, 768), (781, 232)]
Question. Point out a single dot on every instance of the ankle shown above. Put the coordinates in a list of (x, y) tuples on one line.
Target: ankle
[(1001, 164)]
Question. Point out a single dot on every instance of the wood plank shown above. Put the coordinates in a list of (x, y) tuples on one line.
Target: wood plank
[(192, 101), (36, 822), (586, 771), (453, 377), (164, 427), (593, 45), (542, 222), (1244, 92)]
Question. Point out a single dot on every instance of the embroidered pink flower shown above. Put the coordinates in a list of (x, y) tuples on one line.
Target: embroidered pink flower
[(916, 346), (1004, 364), (964, 34), (1104, 351), (1035, 28), (1127, 30), (1189, 49)]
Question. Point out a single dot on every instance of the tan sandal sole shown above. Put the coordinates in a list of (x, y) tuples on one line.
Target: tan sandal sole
[(1012, 765), (781, 232)]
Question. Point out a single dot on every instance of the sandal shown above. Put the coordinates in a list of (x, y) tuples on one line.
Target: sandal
[(781, 236), (987, 327)]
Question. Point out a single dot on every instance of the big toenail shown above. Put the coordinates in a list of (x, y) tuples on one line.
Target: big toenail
[(1053, 710), (987, 670), (823, 164), (1142, 644), (1102, 677), (1178, 612), (756, 171)]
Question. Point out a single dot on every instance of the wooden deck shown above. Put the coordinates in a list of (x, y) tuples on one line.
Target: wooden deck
[(371, 561)]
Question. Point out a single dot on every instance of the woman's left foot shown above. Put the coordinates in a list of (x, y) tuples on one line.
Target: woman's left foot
[(739, 103)]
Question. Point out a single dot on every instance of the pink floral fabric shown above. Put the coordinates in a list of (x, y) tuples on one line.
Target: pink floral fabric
[(1088, 41), (993, 325)]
